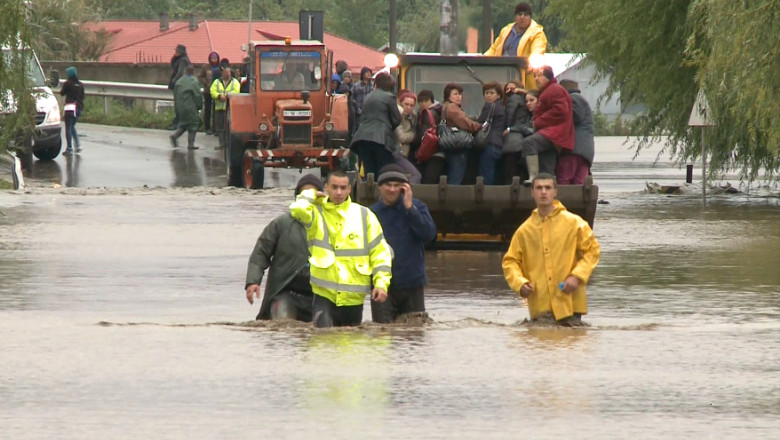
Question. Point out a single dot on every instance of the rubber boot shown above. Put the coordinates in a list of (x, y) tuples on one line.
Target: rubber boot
[(191, 140), (532, 162), (175, 136)]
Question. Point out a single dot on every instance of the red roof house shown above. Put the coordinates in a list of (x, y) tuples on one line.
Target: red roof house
[(152, 41)]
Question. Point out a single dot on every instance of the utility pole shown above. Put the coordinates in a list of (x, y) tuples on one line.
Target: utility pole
[(487, 26), (448, 40), (393, 26)]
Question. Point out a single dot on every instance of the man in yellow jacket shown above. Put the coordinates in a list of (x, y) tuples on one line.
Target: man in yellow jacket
[(551, 257), (220, 89), (523, 38), (349, 256)]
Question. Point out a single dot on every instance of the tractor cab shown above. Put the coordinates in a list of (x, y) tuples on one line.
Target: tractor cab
[(290, 118)]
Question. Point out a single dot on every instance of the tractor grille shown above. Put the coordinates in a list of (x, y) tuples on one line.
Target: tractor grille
[(39, 118), (296, 134)]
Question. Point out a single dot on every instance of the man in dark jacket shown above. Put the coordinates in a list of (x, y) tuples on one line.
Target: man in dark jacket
[(375, 140), (553, 125), (407, 226), (282, 246), (574, 167), (179, 62)]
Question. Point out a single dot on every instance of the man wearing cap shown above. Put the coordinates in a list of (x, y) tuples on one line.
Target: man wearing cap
[(282, 246), (553, 125), (349, 255), (521, 38), (408, 226)]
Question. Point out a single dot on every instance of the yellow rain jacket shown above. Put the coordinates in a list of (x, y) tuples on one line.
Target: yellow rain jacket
[(533, 41), (545, 252), (347, 247), (218, 88)]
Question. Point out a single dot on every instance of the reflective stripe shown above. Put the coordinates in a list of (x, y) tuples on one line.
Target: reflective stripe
[(364, 217), (381, 269), (376, 241), (308, 199), (321, 243), (325, 233), (340, 287), (351, 252)]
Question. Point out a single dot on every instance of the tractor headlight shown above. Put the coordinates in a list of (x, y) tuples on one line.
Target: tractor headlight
[(328, 126), (263, 127)]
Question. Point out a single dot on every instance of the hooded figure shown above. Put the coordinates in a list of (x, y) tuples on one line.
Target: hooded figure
[(73, 90), (283, 250), (179, 62)]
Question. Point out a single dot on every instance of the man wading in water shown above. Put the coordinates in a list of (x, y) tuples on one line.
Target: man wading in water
[(551, 257)]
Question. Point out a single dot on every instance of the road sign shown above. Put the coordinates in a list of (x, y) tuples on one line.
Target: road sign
[(700, 115)]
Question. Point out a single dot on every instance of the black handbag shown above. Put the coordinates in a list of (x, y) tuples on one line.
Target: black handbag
[(481, 138), (452, 139)]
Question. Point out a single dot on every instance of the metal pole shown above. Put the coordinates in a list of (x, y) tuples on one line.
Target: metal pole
[(393, 27), (249, 28), (703, 170)]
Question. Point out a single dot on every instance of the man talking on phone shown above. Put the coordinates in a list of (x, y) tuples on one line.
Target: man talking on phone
[(408, 226)]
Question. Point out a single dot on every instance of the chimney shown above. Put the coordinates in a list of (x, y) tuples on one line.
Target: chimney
[(193, 22), (163, 21)]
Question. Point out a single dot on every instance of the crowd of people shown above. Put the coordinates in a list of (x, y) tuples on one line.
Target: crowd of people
[(525, 132), (327, 253)]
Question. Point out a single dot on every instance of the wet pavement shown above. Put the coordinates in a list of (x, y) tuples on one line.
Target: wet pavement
[(121, 157), (122, 315)]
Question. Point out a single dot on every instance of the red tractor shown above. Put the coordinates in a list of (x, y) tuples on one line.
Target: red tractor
[(290, 118)]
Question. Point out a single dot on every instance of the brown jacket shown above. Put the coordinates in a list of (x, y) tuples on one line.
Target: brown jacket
[(456, 117)]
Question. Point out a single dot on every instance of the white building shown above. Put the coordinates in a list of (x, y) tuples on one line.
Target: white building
[(571, 66)]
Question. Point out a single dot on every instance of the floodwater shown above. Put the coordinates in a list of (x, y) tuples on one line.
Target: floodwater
[(122, 315)]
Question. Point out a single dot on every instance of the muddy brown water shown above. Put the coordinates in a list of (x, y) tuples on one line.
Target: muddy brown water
[(122, 315)]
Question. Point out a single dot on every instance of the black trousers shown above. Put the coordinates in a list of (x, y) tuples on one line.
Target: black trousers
[(374, 156), (433, 169), (328, 314), (399, 302)]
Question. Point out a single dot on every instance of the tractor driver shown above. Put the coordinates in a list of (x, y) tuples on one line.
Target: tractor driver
[(290, 78)]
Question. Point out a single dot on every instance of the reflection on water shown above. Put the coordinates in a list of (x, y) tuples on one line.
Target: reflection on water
[(47, 170), (186, 172), (684, 342)]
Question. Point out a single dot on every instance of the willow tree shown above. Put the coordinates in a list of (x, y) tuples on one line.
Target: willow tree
[(17, 104), (660, 53)]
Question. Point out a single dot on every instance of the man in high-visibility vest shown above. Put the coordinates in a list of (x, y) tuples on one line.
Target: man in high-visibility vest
[(220, 89), (349, 256)]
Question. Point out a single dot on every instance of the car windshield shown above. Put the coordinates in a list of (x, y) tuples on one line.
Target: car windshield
[(435, 77), (288, 71), (32, 69)]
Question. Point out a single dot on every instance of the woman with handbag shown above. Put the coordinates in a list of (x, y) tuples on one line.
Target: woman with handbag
[(455, 126), (430, 161), (375, 139), (491, 136)]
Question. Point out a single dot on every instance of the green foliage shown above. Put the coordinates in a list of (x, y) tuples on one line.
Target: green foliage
[(123, 115), (60, 34), (17, 103), (661, 53)]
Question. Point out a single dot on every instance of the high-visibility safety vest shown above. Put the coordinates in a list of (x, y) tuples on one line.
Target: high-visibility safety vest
[(218, 88), (347, 248)]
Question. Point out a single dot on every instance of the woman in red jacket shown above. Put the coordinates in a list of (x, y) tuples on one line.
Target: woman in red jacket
[(553, 125)]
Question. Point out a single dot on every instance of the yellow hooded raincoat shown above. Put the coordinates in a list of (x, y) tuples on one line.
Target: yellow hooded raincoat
[(533, 41), (545, 252), (347, 247)]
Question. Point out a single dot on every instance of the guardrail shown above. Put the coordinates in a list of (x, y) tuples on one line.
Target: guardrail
[(110, 89)]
